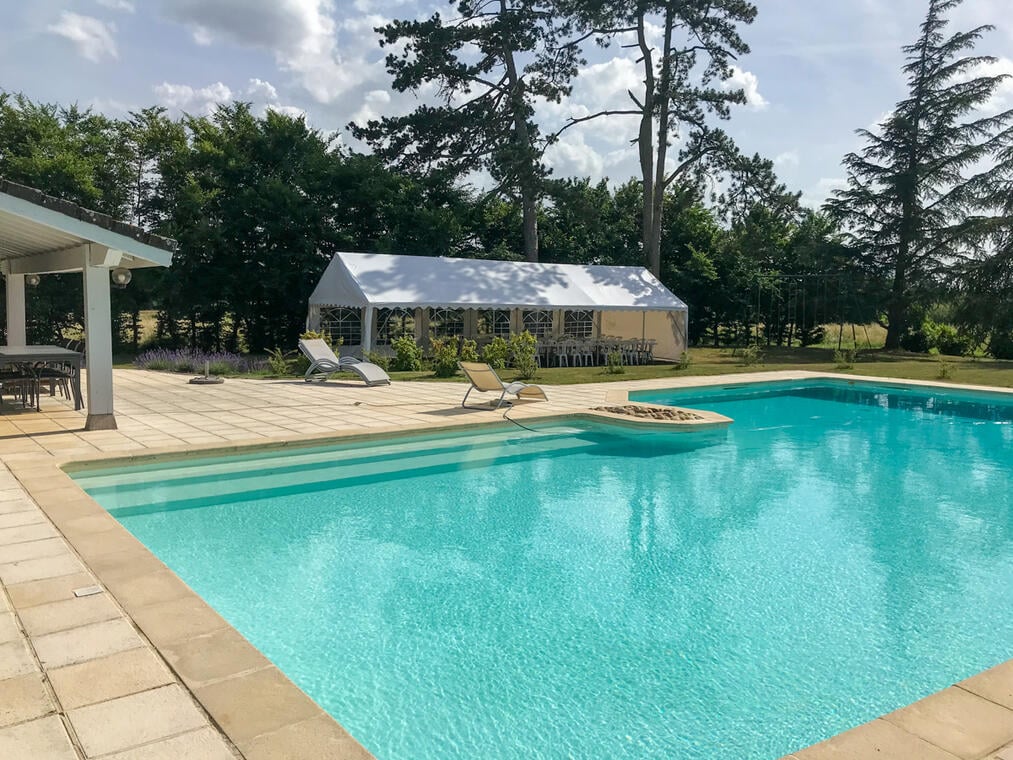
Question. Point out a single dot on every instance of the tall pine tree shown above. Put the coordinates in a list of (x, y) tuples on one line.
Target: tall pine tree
[(929, 186), (488, 66)]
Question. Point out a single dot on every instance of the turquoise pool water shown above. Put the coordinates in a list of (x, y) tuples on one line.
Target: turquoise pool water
[(580, 592)]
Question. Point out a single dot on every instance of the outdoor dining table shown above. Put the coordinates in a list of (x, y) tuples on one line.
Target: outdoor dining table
[(33, 355)]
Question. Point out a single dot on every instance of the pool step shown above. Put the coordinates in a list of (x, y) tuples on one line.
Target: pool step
[(318, 471)]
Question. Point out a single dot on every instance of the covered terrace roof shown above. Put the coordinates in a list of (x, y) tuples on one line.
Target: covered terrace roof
[(40, 234)]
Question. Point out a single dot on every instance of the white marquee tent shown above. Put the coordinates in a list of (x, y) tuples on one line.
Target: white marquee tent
[(359, 293)]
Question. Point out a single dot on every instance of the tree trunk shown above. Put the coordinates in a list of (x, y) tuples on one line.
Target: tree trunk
[(529, 211), (658, 210), (522, 136), (896, 314), (645, 146)]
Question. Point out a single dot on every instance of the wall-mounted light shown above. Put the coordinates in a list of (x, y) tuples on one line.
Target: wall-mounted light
[(32, 280), (121, 277)]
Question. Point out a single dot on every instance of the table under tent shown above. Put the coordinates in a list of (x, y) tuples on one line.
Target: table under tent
[(578, 313)]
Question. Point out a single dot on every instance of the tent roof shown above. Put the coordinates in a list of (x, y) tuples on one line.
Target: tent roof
[(389, 281), (40, 233)]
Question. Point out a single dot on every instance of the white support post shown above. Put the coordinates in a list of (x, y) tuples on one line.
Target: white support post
[(98, 340), (16, 335), (367, 330)]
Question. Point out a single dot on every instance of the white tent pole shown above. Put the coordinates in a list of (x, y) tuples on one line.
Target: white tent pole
[(367, 330), (98, 341), (16, 310)]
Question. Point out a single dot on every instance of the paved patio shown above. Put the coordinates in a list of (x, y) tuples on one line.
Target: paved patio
[(144, 669)]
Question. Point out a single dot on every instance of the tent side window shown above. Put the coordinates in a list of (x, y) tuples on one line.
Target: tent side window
[(342, 325)]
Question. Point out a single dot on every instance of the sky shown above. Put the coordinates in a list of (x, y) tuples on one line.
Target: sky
[(817, 71)]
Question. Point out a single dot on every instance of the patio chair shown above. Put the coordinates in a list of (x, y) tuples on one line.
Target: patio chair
[(484, 378), (323, 364)]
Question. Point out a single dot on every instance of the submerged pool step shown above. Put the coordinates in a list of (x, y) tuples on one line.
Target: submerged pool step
[(277, 462), (129, 494)]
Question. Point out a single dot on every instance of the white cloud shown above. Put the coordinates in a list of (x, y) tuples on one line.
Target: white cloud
[(202, 36), (183, 97), (788, 158), (117, 5), (259, 89), (293, 111), (1002, 98), (373, 107), (572, 157), (816, 196), (749, 83), (92, 37), (301, 34)]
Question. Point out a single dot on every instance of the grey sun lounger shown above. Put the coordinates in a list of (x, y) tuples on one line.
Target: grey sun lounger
[(484, 378), (323, 364)]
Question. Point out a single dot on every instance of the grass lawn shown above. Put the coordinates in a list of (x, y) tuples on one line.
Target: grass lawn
[(719, 361), (713, 361)]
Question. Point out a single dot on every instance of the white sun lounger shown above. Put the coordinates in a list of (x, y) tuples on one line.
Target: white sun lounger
[(323, 364), (484, 378)]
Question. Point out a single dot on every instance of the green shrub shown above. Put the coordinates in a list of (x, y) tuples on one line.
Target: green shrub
[(407, 354), (945, 370), (845, 358), (751, 355), (941, 336), (469, 351), (523, 352), (614, 363), (279, 362), (684, 361), (496, 353), (947, 338), (444, 356), (380, 360)]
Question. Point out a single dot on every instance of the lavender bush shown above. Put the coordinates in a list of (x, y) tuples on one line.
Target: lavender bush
[(187, 360)]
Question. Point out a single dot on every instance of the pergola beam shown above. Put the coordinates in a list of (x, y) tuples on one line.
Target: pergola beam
[(67, 260)]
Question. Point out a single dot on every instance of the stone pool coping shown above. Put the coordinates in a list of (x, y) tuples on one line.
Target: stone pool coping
[(265, 715)]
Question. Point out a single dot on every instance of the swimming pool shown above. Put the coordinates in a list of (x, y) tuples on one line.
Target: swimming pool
[(579, 591)]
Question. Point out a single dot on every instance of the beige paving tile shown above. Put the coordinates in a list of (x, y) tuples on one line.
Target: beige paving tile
[(256, 703), (203, 744), (125, 566), (24, 698), (957, 721), (995, 684), (22, 533), (13, 506), (42, 739), (15, 660), (86, 643), (15, 519), (139, 590), (69, 613), (877, 739), (177, 620), (204, 659), (1006, 753), (47, 547), (9, 630), (317, 737), (117, 675), (41, 568), (116, 539), (137, 719), (24, 595)]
